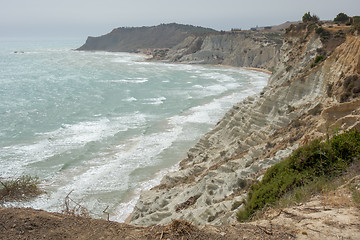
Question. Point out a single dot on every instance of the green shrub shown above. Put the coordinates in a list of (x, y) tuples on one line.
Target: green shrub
[(318, 59), (341, 18), (340, 34), (356, 24), (310, 18), (303, 169), (18, 189), (324, 34), (236, 205)]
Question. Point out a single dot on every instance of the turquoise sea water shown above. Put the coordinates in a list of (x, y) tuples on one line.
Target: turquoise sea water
[(104, 125)]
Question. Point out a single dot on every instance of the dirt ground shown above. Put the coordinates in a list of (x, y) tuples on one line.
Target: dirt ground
[(334, 215), (36, 224), (303, 222), (331, 215)]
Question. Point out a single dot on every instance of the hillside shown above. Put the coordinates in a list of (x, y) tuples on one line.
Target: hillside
[(330, 216), (37, 224), (194, 45), (312, 94), (238, 49), (131, 39)]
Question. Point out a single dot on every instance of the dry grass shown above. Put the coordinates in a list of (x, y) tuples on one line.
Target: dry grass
[(19, 189), (346, 195), (181, 227)]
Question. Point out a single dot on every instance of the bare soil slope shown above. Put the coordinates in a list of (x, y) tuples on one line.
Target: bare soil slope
[(37, 224), (333, 215)]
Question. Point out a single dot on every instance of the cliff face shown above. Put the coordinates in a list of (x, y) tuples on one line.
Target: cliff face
[(189, 44), (132, 39), (305, 99), (240, 49)]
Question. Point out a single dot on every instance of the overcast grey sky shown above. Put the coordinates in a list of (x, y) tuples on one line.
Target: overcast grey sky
[(82, 18)]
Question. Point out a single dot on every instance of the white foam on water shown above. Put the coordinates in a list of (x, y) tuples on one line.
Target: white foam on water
[(257, 76), (129, 80), (64, 139), (208, 113), (220, 77), (127, 58), (194, 116), (216, 89), (213, 90), (130, 99), (112, 173), (154, 101), (124, 210)]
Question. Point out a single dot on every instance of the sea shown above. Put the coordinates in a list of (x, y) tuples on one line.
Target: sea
[(100, 127)]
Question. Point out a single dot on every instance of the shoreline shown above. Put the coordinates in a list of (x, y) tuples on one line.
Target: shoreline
[(230, 66), (247, 68), (127, 220), (263, 70), (149, 58), (257, 69)]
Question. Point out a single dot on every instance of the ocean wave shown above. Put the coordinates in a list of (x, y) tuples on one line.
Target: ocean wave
[(127, 58), (130, 99), (200, 91), (129, 80), (124, 209), (220, 77), (127, 168), (155, 101), (64, 139)]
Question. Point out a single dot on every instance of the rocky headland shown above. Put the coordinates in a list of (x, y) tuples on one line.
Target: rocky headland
[(140, 39), (188, 44)]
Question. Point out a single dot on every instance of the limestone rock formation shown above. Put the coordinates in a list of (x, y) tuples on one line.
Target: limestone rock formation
[(239, 49), (302, 101)]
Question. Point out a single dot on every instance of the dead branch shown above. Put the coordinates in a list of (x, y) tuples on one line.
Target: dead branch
[(78, 209), (108, 214)]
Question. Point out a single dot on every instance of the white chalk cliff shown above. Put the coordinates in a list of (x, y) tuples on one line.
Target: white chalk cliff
[(301, 102), (239, 49)]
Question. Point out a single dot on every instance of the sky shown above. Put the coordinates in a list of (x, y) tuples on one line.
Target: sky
[(82, 18)]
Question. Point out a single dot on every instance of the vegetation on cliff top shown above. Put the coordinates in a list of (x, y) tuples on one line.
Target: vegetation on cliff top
[(310, 18), (341, 18), (19, 188), (310, 167)]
